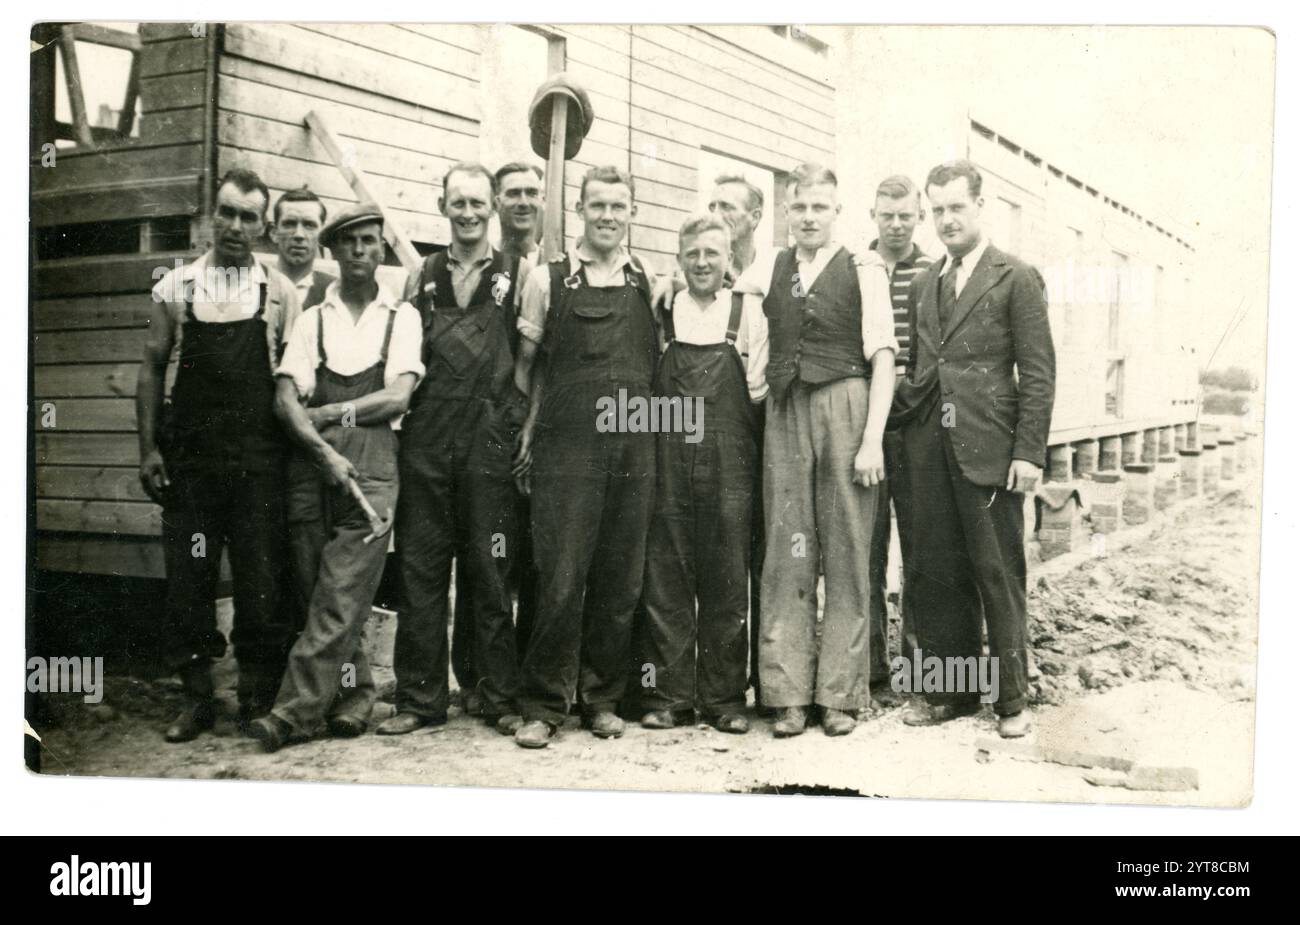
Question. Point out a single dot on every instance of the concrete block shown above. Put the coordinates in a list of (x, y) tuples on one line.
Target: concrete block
[(1228, 450), (1189, 479), (1166, 482), (1106, 502), (1061, 527), (1139, 493), (1109, 456), (1210, 468)]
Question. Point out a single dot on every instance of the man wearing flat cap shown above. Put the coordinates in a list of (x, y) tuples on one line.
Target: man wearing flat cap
[(346, 378)]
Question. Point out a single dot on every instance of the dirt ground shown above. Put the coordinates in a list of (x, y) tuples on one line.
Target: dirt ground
[(1146, 654)]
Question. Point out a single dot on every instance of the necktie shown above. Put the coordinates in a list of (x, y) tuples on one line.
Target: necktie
[(948, 295)]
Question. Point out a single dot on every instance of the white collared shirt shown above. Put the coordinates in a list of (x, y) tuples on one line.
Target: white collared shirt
[(535, 301), (968, 264), (707, 324), (352, 346)]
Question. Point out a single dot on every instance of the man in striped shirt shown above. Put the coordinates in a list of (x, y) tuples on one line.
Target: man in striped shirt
[(897, 212)]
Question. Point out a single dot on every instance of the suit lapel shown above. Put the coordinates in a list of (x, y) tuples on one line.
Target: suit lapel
[(991, 268), (928, 306)]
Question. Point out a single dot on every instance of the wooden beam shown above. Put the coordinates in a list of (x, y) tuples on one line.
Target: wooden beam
[(100, 35), (126, 118), (553, 226), (76, 99), (360, 183)]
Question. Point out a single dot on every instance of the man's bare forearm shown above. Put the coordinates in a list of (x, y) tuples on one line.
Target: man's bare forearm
[(880, 396), (148, 404), (290, 410)]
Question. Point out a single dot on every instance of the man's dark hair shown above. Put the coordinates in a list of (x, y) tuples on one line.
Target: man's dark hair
[(246, 182), (297, 195), (606, 175), (471, 168), (506, 170), (946, 173)]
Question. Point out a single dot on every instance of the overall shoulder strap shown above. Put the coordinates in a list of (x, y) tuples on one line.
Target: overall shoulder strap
[(320, 337), (388, 336), (733, 323)]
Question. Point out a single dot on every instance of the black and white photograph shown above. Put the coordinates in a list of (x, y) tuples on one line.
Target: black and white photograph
[(743, 409)]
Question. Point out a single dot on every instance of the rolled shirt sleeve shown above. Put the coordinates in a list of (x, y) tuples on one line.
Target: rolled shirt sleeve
[(534, 303), (757, 347), (877, 307), (404, 348), (299, 360)]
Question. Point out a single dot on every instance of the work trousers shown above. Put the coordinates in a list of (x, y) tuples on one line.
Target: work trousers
[(205, 511), (338, 573), (591, 498), (816, 514), (699, 550), (894, 490), (457, 501), (968, 564)]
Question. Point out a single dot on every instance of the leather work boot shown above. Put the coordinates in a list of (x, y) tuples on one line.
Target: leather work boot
[(605, 725), (837, 722), (400, 724), (734, 723), (200, 710), (658, 719), (791, 721), (535, 734), (920, 713), (271, 731)]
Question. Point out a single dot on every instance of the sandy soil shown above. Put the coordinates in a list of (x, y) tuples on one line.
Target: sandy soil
[(1146, 654)]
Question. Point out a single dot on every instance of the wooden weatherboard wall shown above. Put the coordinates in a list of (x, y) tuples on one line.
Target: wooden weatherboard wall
[(406, 101), (88, 313)]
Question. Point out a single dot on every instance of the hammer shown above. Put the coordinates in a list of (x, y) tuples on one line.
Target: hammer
[(378, 525)]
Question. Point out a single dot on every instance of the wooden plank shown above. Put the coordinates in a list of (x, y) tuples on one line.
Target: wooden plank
[(132, 518), (113, 273), (128, 556), (661, 115), (166, 31), (664, 172), (354, 108), (704, 106), (665, 218), (594, 80), (86, 380), (655, 239), (146, 199), (336, 61), (113, 449), (665, 149), (90, 483), (173, 126), (388, 39), (102, 35), (109, 345), (126, 118), (673, 197), (366, 190), (296, 141), (79, 169), (761, 49), (468, 36), (175, 91), (98, 414), (732, 92), (581, 49), (76, 98), (772, 81), (175, 57)]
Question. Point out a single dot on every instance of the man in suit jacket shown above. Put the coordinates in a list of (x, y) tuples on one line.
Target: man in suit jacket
[(976, 407)]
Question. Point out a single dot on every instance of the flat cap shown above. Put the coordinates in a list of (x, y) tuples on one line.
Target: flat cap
[(355, 214), (577, 123)]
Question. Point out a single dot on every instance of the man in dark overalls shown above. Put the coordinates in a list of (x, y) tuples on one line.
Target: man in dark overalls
[(592, 480), (347, 376), (458, 495), (699, 545), (213, 456)]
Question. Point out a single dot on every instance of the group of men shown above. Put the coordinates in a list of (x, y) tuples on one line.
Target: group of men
[(604, 565)]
